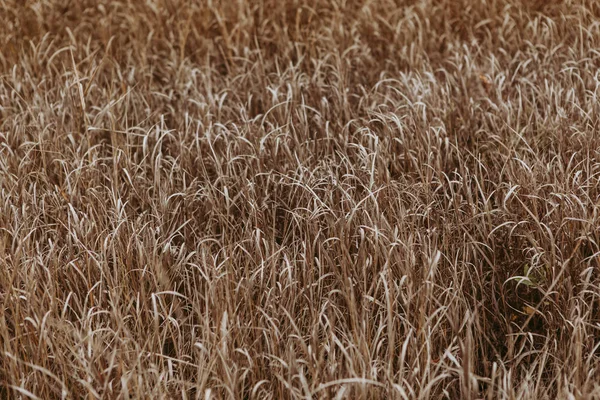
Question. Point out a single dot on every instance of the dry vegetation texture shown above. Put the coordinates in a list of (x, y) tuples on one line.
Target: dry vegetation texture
[(301, 199)]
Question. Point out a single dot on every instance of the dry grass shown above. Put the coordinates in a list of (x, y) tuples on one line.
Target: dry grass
[(239, 199)]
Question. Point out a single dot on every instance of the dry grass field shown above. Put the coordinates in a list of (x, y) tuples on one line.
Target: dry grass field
[(299, 199)]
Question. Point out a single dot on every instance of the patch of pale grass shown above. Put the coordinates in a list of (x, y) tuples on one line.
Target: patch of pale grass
[(299, 199)]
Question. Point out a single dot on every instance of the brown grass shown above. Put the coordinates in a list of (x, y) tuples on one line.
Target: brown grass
[(248, 199)]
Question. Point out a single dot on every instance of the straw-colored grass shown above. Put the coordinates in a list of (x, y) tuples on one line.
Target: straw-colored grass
[(299, 199)]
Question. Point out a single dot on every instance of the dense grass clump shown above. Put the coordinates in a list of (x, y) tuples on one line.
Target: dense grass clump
[(349, 199)]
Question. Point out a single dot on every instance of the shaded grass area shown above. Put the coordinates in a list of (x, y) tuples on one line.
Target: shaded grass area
[(299, 199)]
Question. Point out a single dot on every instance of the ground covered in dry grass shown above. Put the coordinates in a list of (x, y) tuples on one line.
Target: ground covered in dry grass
[(239, 199)]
